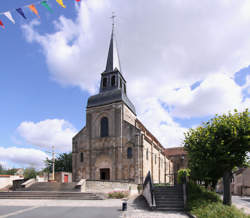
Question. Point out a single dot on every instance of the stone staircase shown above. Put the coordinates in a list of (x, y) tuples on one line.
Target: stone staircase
[(51, 190), (169, 198), (51, 186), (50, 195)]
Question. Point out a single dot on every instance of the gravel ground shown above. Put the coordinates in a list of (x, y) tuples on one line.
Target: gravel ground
[(137, 208)]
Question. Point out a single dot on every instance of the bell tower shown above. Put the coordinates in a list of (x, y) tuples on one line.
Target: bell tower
[(113, 85)]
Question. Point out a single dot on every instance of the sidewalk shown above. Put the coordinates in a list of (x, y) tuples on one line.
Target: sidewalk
[(137, 208)]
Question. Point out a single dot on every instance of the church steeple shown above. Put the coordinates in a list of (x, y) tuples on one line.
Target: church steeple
[(112, 85), (113, 61)]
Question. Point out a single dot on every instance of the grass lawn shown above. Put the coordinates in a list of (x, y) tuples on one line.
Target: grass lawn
[(207, 204)]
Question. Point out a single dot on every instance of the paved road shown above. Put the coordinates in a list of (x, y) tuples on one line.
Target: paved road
[(60, 212), (110, 208), (60, 209)]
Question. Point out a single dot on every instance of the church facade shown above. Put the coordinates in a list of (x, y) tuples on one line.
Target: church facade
[(114, 145)]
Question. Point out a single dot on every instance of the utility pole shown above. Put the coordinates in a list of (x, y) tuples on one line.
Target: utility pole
[(53, 162)]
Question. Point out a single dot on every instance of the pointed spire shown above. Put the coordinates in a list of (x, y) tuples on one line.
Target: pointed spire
[(113, 61)]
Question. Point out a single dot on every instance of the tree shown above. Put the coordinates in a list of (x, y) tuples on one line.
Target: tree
[(217, 146), (30, 173), (62, 163)]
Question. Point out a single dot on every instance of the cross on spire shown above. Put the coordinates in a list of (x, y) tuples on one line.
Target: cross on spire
[(113, 62), (113, 19)]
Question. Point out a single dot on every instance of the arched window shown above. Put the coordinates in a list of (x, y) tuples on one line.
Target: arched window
[(104, 127), (104, 82), (81, 157), (129, 153), (113, 81), (121, 83), (147, 154)]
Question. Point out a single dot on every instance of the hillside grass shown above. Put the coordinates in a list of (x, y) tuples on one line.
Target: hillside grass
[(207, 204)]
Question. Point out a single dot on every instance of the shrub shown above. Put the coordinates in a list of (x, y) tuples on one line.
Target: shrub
[(118, 194), (205, 204)]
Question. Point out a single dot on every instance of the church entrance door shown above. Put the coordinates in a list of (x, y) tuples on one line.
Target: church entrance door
[(105, 174)]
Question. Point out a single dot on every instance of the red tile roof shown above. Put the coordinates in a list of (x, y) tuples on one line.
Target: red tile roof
[(175, 151)]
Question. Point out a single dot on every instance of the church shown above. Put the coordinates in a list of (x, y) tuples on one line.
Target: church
[(115, 145)]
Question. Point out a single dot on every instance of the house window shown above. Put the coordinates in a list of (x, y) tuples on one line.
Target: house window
[(81, 156), (155, 159), (125, 91), (104, 127), (147, 154), (129, 153), (104, 82), (113, 81)]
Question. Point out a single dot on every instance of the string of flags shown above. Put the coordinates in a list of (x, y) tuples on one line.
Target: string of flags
[(32, 8)]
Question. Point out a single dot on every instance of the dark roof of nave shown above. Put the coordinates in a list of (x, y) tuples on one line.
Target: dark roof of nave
[(108, 97)]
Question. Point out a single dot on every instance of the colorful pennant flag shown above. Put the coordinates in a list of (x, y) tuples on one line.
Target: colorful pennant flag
[(9, 16), (20, 11), (60, 2), (33, 9), (78, 0), (1, 24), (45, 4)]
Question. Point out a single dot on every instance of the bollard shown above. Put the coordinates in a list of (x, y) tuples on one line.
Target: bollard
[(124, 206)]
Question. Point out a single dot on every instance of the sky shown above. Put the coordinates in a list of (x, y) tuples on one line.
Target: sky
[(184, 62)]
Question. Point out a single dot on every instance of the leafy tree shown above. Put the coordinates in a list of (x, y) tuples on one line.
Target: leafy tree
[(30, 173), (217, 146), (62, 163), (1, 170)]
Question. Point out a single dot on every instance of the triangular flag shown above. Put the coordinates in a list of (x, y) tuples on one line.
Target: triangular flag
[(9, 16), (60, 2), (45, 4), (1, 24), (78, 0), (20, 11), (33, 9)]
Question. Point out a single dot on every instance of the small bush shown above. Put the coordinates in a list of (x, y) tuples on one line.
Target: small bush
[(182, 175), (118, 194), (205, 204)]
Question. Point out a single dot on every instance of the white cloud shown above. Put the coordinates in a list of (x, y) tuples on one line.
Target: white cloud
[(47, 133), (22, 157), (216, 94), (163, 45)]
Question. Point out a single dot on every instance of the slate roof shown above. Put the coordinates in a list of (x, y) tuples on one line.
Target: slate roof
[(108, 97)]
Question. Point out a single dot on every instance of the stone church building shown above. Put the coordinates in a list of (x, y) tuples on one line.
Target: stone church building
[(114, 145)]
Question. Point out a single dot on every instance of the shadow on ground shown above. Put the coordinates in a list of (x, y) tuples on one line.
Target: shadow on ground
[(139, 203)]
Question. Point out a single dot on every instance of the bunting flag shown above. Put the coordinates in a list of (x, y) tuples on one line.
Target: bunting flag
[(20, 11), (45, 4), (33, 9), (1, 24), (9, 16), (60, 2), (78, 0)]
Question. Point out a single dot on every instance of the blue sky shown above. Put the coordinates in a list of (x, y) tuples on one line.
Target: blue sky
[(183, 63)]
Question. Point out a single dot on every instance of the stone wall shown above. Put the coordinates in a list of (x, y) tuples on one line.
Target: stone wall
[(109, 186)]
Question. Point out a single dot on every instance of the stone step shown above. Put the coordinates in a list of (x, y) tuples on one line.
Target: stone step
[(168, 197), (170, 204), (50, 195), (169, 209)]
